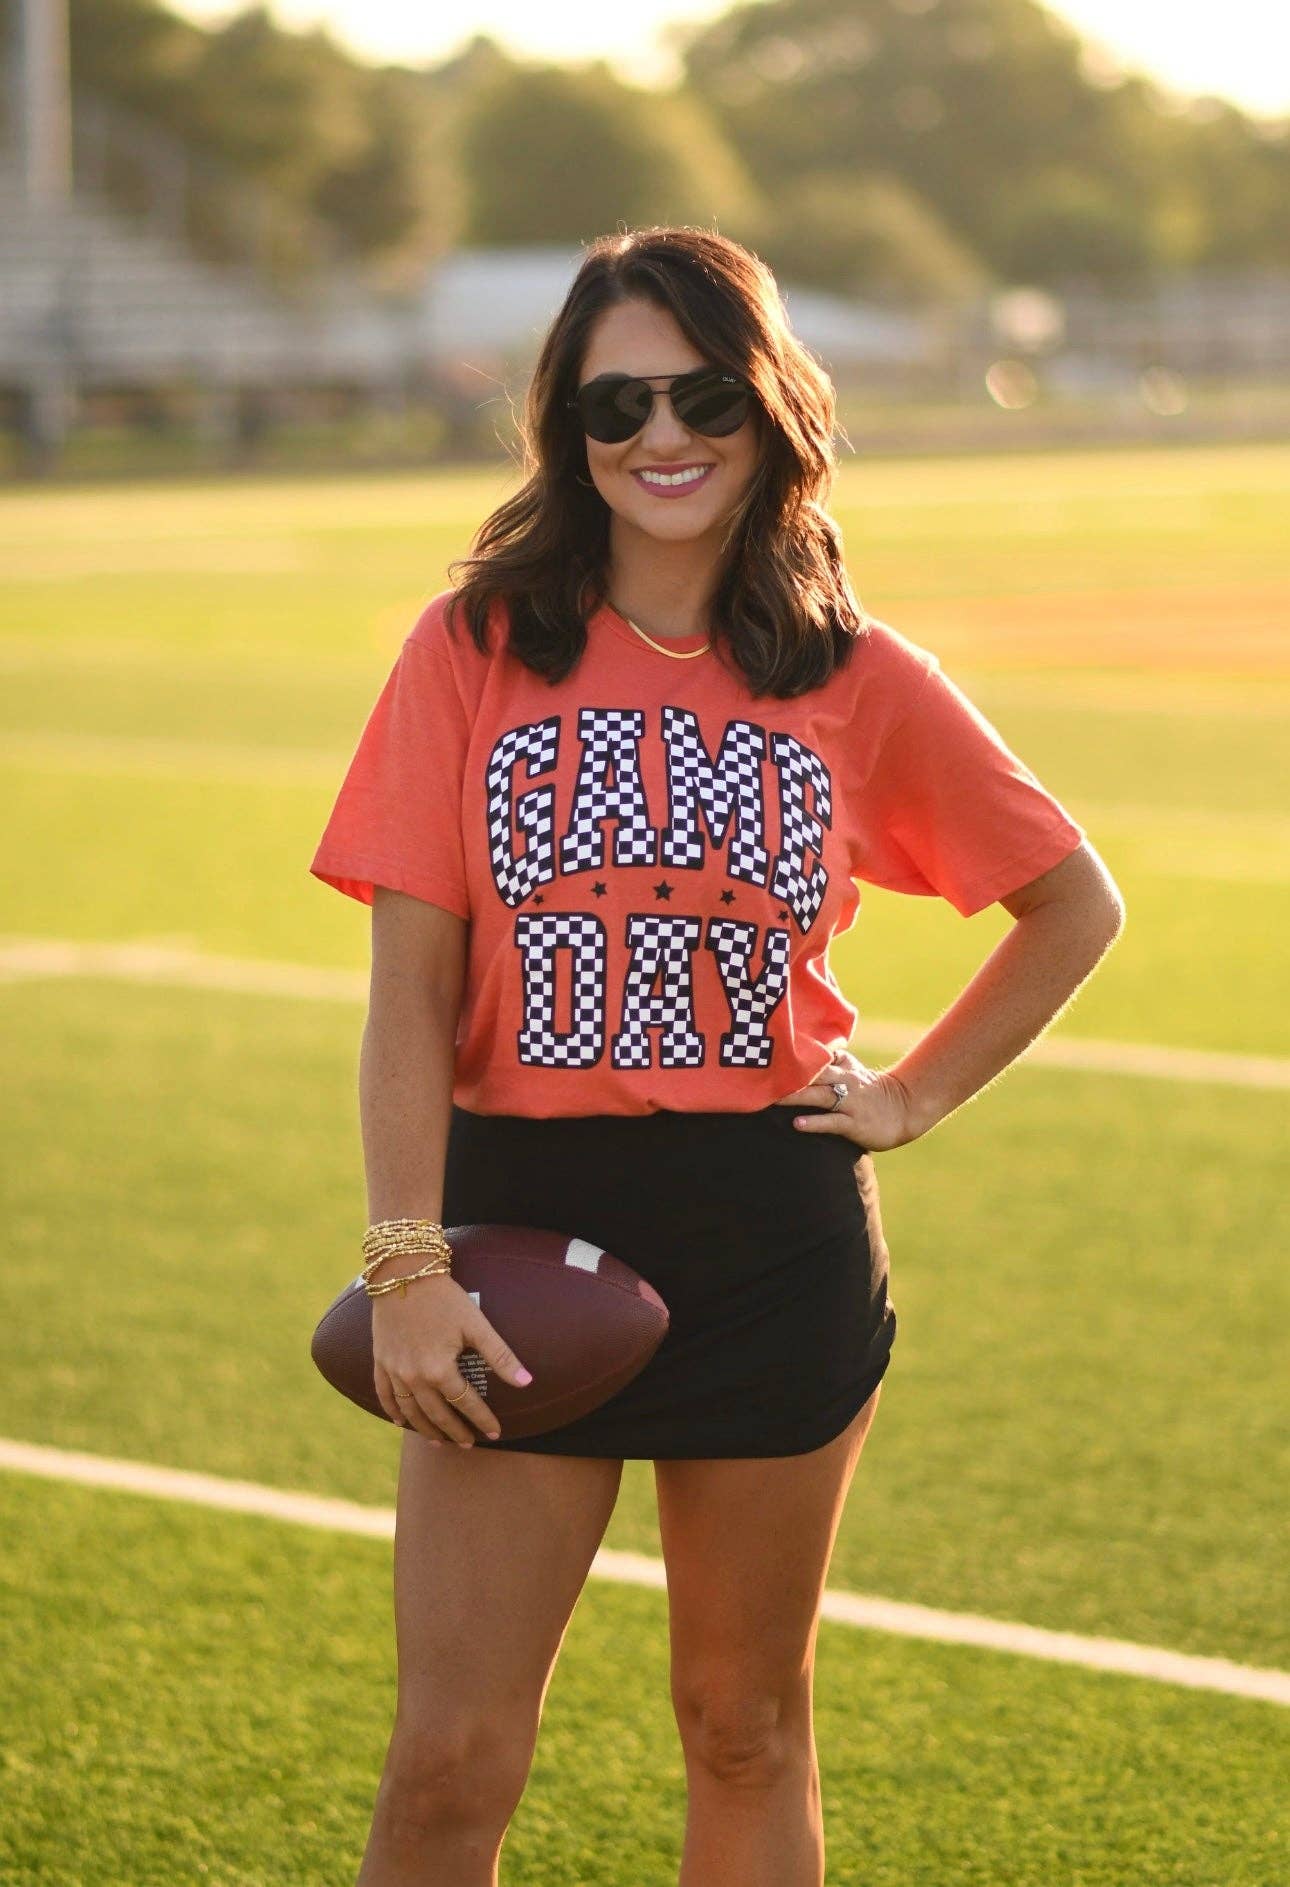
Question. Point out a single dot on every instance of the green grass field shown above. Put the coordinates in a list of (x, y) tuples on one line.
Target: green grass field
[(1085, 1425)]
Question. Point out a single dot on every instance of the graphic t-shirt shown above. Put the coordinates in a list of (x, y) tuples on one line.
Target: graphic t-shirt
[(653, 860)]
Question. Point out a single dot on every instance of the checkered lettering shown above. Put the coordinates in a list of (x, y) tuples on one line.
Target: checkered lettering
[(540, 939), (727, 791), (798, 767), (537, 744), (718, 827), (662, 950), (610, 742), (746, 1044)]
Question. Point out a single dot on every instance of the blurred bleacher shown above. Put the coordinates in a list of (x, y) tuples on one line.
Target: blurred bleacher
[(119, 302)]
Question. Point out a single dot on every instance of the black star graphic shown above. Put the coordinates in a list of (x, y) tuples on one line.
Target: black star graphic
[(727, 897), (784, 916), (538, 898), (599, 891), (663, 889)]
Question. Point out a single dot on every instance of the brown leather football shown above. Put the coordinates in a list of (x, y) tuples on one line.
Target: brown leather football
[(582, 1321)]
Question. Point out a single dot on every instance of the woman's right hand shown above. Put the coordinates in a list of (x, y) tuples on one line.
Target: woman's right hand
[(417, 1336)]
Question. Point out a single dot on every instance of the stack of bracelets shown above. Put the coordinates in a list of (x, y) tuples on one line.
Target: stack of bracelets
[(393, 1238)]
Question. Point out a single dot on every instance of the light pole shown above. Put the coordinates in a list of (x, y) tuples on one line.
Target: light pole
[(45, 121)]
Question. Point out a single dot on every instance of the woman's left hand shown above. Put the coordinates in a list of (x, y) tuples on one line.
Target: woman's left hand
[(877, 1112)]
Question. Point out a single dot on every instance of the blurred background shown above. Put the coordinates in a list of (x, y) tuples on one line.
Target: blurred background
[(271, 283), (321, 233)]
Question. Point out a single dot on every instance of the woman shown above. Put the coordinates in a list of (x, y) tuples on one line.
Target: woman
[(609, 810)]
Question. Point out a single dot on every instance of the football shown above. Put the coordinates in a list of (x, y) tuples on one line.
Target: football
[(582, 1321)]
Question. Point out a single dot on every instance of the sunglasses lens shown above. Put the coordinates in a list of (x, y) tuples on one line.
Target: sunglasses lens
[(612, 410), (713, 404)]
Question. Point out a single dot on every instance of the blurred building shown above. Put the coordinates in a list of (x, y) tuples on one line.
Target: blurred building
[(500, 301)]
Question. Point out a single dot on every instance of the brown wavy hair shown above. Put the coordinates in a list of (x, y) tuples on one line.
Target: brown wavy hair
[(783, 610)]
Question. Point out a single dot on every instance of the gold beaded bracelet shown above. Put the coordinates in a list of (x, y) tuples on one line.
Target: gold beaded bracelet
[(390, 1238), (400, 1284)]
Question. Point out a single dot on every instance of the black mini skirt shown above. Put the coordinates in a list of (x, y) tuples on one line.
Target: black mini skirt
[(764, 1241)]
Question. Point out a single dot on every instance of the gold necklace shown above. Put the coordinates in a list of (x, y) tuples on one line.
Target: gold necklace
[(677, 655)]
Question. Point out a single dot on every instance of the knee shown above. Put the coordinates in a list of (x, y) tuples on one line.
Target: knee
[(440, 1775), (740, 1733)]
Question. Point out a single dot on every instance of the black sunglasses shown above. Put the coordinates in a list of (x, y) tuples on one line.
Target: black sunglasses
[(707, 400)]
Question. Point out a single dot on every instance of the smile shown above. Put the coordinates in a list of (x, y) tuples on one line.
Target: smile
[(673, 484)]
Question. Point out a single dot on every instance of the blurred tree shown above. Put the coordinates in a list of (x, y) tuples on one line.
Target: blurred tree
[(1243, 188), (960, 100), (868, 236), (553, 154), (394, 197), (876, 142), (1059, 224), (285, 107), (135, 53), (322, 136)]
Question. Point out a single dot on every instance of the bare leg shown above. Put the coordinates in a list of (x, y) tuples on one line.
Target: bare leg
[(747, 1545), (491, 1552)]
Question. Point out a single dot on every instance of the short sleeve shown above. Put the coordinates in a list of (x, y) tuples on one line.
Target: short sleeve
[(397, 818), (949, 810)]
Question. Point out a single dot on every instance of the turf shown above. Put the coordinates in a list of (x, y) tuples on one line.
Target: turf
[(206, 1698), (1077, 1260), (1085, 1424)]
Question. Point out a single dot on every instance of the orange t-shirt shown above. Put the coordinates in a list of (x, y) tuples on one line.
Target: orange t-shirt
[(653, 860)]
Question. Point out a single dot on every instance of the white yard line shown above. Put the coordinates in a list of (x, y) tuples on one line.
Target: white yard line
[(638, 1569), (24, 959), (30, 959)]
